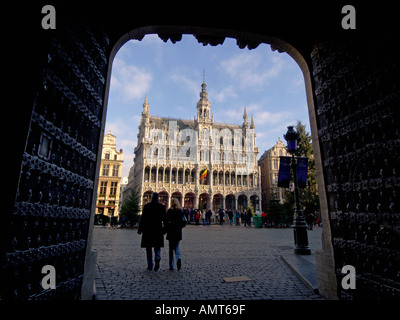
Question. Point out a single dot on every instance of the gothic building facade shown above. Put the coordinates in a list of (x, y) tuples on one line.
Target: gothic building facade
[(269, 166), (201, 163)]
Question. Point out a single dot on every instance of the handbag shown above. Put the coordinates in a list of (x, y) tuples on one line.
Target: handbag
[(184, 221)]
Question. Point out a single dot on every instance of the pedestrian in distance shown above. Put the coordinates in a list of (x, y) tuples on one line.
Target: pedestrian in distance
[(197, 217), (151, 227), (310, 221), (237, 217), (221, 216), (264, 217), (248, 217), (230, 215), (174, 222), (208, 216)]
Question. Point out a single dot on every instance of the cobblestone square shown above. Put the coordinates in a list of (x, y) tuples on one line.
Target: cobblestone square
[(209, 254)]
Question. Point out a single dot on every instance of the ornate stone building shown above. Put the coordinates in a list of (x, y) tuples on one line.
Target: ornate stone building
[(269, 166), (108, 189), (202, 163)]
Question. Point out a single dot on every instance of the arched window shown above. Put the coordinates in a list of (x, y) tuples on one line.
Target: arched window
[(148, 152), (204, 134)]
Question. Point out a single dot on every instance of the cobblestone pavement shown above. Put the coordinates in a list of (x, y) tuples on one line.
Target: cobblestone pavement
[(209, 254)]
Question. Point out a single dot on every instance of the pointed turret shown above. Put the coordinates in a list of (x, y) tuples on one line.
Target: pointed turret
[(145, 113), (245, 119), (146, 110), (252, 126)]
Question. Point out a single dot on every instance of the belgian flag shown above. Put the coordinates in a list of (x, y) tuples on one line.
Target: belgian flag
[(203, 175)]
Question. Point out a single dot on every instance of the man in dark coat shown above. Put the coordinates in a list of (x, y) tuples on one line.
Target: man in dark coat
[(152, 226)]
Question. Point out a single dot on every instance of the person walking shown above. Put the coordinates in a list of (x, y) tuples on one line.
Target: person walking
[(221, 216), (248, 217), (208, 216), (310, 221), (151, 227), (237, 217), (230, 215), (197, 217), (264, 217), (174, 222)]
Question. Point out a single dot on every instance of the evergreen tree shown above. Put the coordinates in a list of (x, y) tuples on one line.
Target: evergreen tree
[(309, 196), (130, 209), (280, 214)]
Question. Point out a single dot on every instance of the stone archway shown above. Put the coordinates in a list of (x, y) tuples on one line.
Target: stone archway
[(146, 197), (230, 202), (242, 203), (164, 198), (217, 202), (178, 196), (189, 200), (204, 201)]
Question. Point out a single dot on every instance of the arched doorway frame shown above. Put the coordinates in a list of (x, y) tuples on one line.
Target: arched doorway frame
[(174, 33), (189, 200), (204, 201), (217, 202), (178, 195)]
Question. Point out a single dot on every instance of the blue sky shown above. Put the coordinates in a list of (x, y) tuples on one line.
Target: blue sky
[(269, 84)]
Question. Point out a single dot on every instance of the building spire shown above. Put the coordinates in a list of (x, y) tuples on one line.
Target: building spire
[(245, 119), (146, 111), (252, 126)]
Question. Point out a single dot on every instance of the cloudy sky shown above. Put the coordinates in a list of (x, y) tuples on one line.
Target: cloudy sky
[(269, 84)]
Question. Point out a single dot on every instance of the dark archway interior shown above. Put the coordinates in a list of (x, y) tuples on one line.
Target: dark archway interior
[(58, 85)]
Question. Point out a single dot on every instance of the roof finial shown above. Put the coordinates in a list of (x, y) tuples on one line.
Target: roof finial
[(245, 119), (204, 75)]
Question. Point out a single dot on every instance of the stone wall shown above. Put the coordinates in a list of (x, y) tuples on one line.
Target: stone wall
[(358, 107)]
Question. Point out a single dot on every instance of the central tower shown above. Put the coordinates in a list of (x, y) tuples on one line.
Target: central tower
[(203, 107)]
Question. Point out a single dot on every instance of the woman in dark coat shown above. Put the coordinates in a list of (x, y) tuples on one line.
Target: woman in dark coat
[(174, 222), (152, 226)]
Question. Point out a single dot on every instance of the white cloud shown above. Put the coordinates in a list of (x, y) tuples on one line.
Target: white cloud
[(183, 79), (225, 94), (252, 70), (266, 117), (232, 115), (128, 81)]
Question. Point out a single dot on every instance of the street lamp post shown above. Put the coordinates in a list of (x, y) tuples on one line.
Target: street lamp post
[(300, 226)]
